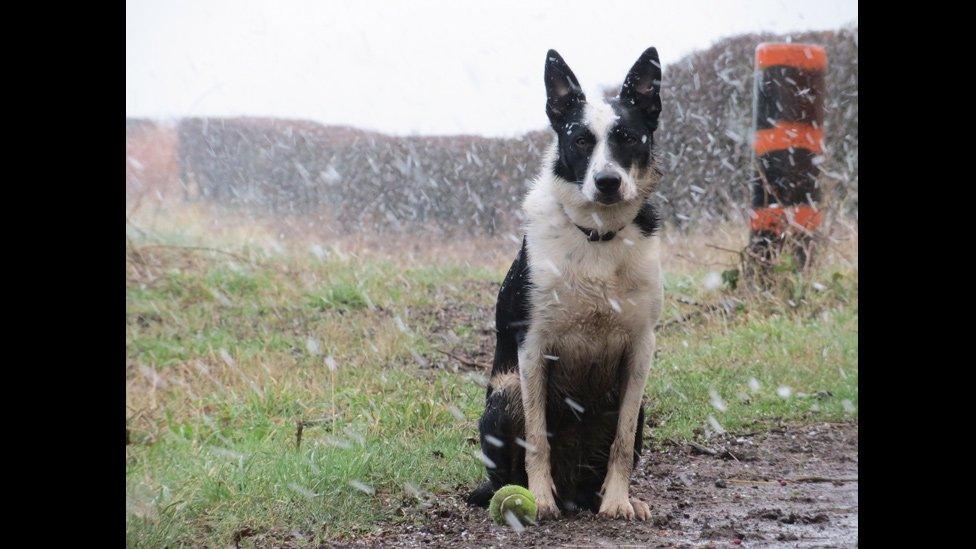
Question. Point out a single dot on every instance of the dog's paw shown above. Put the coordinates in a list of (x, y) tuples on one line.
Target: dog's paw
[(613, 508), (545, 502), (642, 511), (547, 510), (546, 506)]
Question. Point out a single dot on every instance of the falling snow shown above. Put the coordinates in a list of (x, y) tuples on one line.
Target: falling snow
[(412, 490), (514, 522), (484, 459), (304, 492), (400, 325), (494, 441), (362, 486), (715, 425), (456, 412), (576, 406), (312, 346), (228, 360), (225, 453), (712, 281), (717, 401), (522, 442)]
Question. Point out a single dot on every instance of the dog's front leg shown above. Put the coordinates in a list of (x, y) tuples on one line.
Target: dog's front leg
[(533, 374), (616, 487)]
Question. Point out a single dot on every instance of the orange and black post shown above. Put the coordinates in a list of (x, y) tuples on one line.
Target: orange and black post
[(788, 147)]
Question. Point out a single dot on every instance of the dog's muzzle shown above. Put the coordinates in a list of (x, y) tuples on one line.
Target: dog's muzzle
[(607, 186)]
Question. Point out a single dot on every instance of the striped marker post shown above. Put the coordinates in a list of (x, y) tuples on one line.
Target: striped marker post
[(788, 107)]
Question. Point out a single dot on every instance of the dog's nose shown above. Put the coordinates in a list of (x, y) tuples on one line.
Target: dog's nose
[(607, 181)]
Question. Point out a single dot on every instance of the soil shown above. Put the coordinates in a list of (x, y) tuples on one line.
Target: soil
[(793, 486), (457, 313)]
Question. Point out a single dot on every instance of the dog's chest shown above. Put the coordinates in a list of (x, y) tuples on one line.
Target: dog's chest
[(588, 305)]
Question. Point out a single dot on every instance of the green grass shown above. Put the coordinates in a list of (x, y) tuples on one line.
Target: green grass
[(224, 360)]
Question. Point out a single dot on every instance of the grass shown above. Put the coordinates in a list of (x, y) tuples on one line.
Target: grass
[(225, 357)]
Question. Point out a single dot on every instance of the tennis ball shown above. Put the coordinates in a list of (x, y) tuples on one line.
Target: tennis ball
[(516, 499)]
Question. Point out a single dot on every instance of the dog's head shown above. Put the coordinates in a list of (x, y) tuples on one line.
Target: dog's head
[(604, 148)]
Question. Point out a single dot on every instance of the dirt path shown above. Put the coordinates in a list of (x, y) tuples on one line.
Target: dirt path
[(794, 486)]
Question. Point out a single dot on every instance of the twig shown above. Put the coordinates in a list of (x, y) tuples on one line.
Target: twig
[(736, 252), (702, 308), (789, 480), (195, 248), (302, 423), (747, 481), (463, 360), (702, 449), (680, 320), (699, 262), (821, 479)]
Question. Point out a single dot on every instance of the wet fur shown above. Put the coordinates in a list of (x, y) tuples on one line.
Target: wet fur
[(588, 308)]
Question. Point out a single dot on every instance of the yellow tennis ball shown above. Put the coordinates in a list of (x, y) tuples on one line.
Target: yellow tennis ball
[(516, 499)]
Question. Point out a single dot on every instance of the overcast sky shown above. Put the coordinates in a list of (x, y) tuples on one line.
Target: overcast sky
[(417, 67)]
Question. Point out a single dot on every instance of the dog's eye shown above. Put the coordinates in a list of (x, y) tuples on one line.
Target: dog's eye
[(629, 139), (582, 142)]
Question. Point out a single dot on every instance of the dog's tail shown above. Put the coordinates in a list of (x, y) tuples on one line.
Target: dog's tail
[(481, 495)]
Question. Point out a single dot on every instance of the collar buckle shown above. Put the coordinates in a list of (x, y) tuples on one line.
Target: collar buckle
[(593, 236)]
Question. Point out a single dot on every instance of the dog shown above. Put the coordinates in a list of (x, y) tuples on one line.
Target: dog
[(576, 313)]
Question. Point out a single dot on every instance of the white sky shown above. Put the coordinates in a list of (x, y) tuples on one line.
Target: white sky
[(418, 67)]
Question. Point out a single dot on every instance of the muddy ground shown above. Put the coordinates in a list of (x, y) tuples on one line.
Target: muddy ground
[(794, 486)]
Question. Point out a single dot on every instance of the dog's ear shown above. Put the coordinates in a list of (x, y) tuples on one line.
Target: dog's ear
[(642, 87), (563, 91)]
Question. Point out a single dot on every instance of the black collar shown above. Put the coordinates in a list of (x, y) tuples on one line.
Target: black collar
[(594, 236)]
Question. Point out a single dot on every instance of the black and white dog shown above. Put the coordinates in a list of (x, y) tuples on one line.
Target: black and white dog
[(576, 314)]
